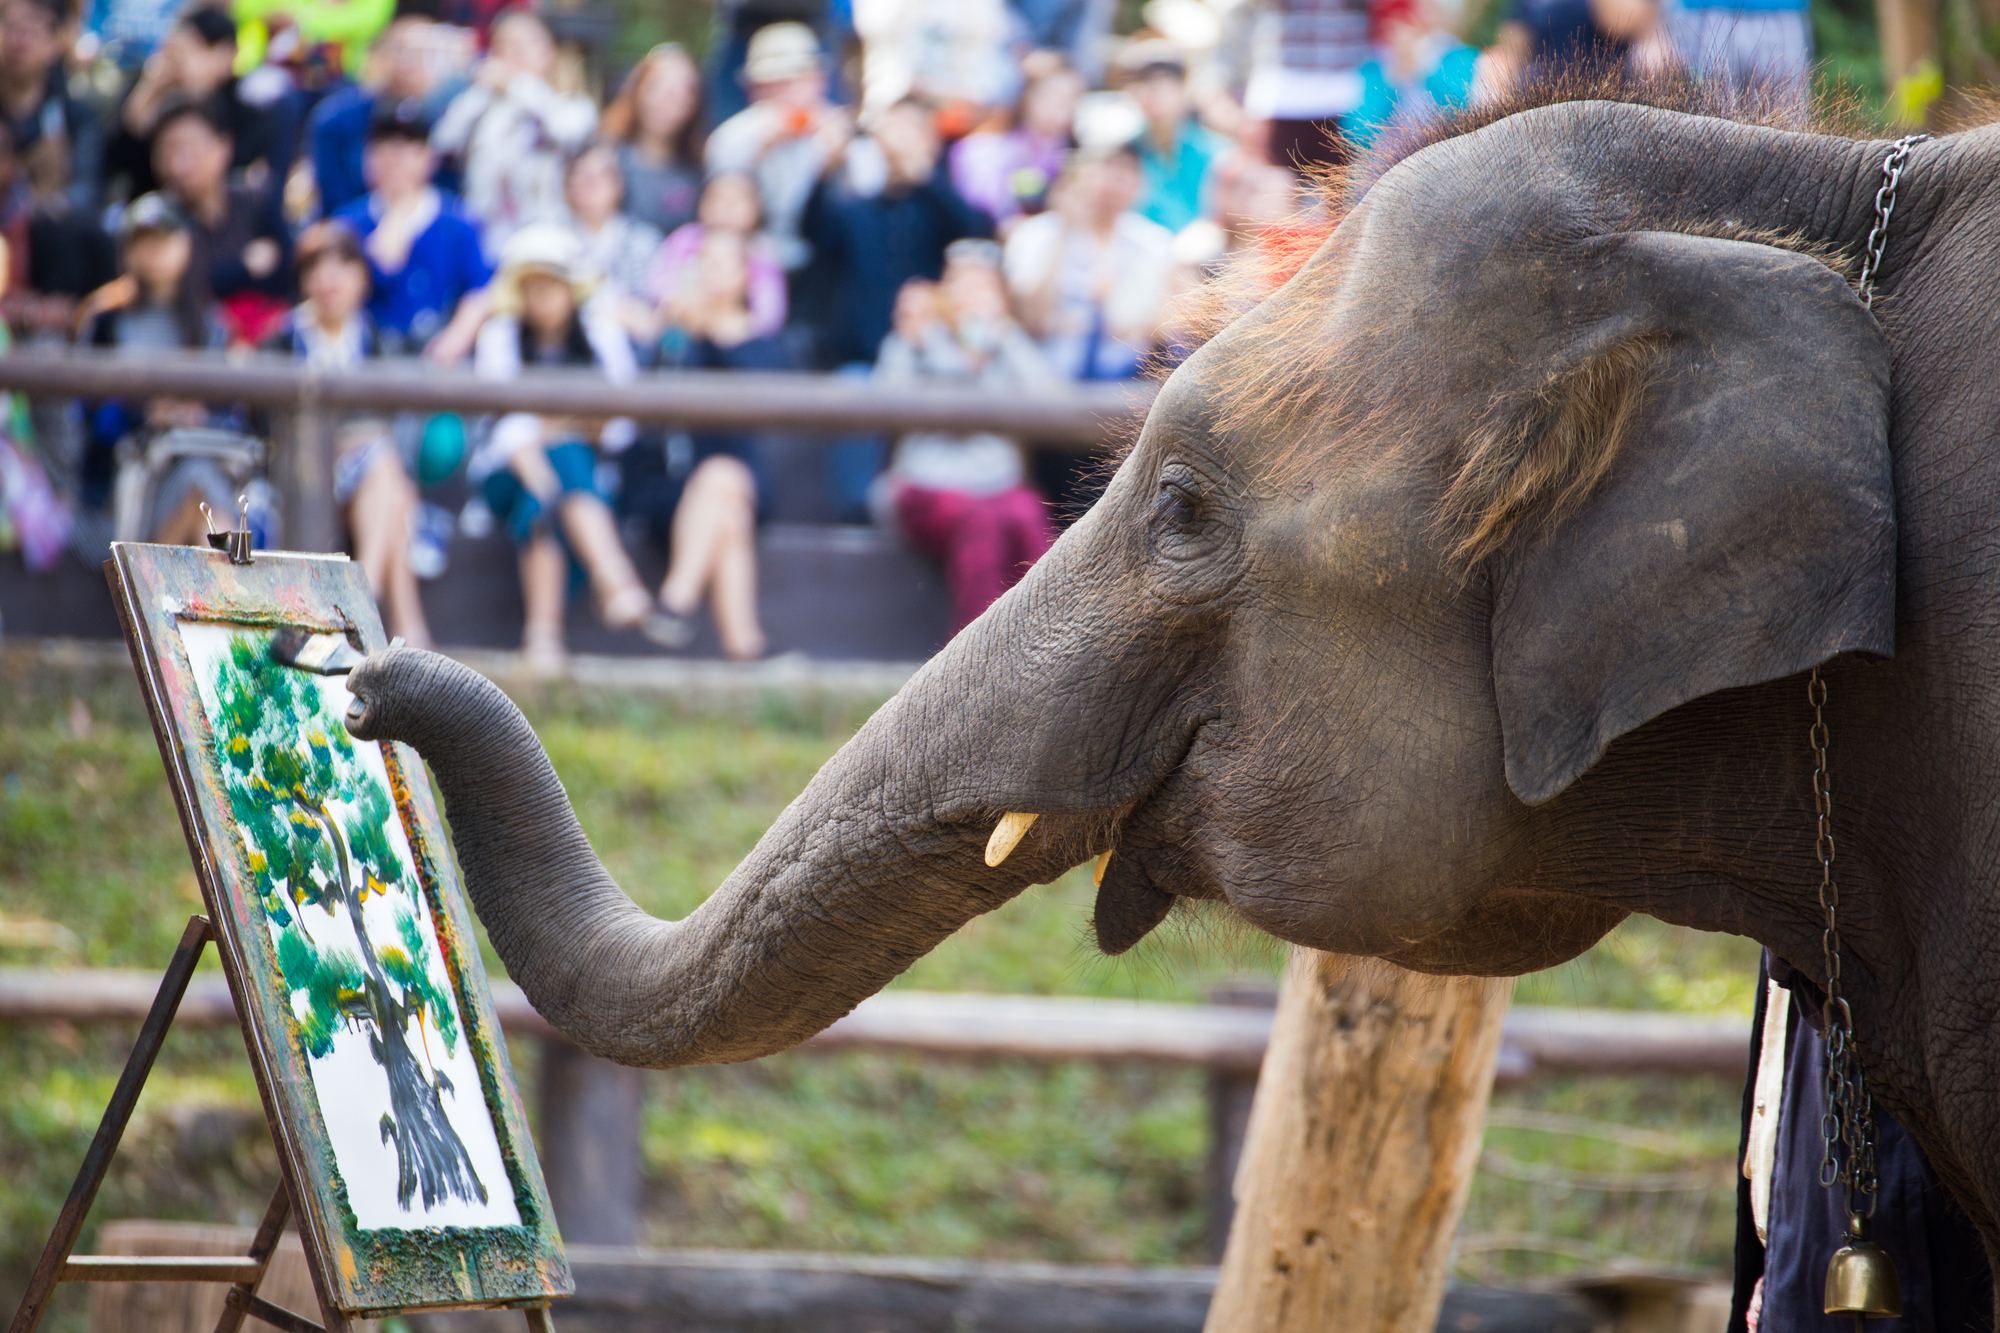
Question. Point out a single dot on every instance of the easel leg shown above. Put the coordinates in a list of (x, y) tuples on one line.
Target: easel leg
[(540, 1320), (262, 1247), (152, 1035)]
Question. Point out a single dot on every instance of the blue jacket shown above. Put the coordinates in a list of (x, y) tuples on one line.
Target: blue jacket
[(445, 263)]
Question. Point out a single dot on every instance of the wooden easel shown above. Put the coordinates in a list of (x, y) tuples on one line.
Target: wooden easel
[(245, 1275)]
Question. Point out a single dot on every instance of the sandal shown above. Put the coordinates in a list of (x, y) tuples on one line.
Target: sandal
[(667, 629)]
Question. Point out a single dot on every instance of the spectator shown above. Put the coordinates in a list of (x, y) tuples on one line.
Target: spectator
[(1090, 274), (943, 52), (1765, 46), (511, 130), (1176, 151), (53, 132), (423, 252), (656, 122), (56, 254), (869, 238), (702, 493), (195, 65), (1423, 71), (404, 67), (965, 499), (618, 249), (1540, 36), (157, 303), (787, 136), (1305, 76), (331, 331), (729, 203), (241, 244), (539, 474), (1006, 174)]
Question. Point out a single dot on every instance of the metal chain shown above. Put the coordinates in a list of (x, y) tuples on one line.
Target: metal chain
[(1847, 1128), (1885, 208)]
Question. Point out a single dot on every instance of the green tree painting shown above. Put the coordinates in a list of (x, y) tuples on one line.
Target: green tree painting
[(316, 824)]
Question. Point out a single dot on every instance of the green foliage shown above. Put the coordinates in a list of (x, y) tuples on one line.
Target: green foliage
[(331, 980)]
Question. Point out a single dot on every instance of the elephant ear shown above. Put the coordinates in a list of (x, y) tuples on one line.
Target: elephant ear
[(1732, 521)]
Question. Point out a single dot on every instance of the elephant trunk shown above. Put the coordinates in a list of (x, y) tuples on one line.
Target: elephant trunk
[(846, 890)]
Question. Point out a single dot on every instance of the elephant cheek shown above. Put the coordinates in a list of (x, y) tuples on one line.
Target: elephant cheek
[(1129, 905)]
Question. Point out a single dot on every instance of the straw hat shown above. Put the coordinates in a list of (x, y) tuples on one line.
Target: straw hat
[(540, 247), (781, 51)]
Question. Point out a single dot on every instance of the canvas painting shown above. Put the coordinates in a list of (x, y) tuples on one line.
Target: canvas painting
[(335, 905), (376, 1017)]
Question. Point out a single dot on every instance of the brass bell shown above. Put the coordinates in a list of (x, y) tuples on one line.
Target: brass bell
[(1861, 1280)]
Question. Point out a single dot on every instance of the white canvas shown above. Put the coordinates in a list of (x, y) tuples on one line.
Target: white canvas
[(350, 1077)]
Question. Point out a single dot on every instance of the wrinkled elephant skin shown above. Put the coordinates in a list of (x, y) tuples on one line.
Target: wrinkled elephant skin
[(1454, 603)]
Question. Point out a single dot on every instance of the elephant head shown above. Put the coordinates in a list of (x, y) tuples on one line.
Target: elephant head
[(1367, 635)]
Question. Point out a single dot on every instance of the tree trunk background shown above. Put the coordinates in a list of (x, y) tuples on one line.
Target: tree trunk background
[(1362, 1141)]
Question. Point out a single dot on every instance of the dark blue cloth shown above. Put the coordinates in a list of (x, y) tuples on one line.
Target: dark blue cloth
[(1563, 31), (445, 263), (655, 471), (337, 136), (866, 248), (1940, 1261)]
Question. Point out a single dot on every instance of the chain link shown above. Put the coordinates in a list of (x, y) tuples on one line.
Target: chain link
[(1847, 1128), (1885, 208)]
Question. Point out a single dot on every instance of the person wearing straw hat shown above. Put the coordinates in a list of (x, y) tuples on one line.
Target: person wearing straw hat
[(788, 135), (538, 474)]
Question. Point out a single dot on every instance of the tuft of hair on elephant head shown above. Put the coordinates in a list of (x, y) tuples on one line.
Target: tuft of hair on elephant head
[(1453, 604)]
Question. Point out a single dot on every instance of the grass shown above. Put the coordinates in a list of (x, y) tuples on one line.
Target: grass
[(870, 1153)]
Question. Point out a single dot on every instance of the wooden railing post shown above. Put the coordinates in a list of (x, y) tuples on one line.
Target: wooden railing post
[(301, 468), (1362, 1141), (590, 1125)]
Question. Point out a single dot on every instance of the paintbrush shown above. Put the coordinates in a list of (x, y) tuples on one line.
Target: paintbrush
[(320, 653)]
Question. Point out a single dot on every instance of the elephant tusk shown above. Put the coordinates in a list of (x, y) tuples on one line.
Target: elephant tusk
[(1007, 835), (1097, 871)]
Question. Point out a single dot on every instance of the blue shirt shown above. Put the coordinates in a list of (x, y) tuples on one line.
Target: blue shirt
[(1444, 88), (445, 263), (1171, 188), (336, 135)]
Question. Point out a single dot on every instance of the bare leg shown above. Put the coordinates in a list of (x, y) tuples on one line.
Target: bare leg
[(544, 572), (379, 516), (593, 535), (715, 554)]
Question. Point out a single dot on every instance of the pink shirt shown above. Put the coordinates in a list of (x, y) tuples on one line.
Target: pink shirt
[(680, 252)]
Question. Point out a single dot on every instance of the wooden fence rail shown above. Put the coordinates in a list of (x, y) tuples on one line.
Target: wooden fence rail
[(591, 1108), (1227, 1038), (305, 403), (1080, 416)]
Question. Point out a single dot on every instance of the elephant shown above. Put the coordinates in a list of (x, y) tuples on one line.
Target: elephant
[(1454, 602)]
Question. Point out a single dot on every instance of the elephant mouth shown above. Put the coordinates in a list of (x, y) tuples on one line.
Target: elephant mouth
[(1149, 865)]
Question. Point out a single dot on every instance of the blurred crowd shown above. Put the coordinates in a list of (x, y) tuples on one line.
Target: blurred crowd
[(992, 193)]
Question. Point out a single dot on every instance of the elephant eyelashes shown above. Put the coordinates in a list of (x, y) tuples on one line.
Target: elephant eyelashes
[(1178, 506)]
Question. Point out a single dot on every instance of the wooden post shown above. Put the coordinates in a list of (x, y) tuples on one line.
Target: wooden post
[(1362, 1141), (591, 1111), (302, 471), (1909, 34)]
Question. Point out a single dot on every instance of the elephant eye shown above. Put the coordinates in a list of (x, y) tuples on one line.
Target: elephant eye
[(1178, 506)]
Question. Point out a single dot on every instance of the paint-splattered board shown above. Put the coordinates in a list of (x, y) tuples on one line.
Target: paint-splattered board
[(344, 931)]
